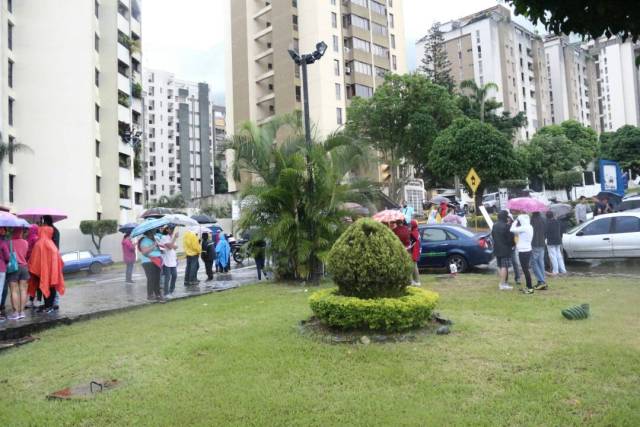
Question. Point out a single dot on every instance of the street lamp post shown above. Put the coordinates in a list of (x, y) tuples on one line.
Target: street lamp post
[(303, 61)]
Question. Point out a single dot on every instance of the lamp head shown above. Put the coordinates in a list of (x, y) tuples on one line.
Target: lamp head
[(321, 48), (294, 55)]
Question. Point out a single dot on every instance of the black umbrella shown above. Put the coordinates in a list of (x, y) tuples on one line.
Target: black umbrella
[(127, 228), (613, 197), (156, 213), (204, 219)]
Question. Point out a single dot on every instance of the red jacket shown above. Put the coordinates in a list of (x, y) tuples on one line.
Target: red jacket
[(415, 241), (45, 264)]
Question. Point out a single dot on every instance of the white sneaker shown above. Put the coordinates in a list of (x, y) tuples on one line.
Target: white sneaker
[(505, 287)]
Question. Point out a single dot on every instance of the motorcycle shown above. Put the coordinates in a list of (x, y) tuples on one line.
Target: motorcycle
[(238, 249)]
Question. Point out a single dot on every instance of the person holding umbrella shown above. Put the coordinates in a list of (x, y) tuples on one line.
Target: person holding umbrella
[(128, 256), (522, 228), (169, 258), (151, 259)]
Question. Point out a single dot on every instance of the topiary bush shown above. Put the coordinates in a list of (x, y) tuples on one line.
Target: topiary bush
[(381, 314), (369, 261)]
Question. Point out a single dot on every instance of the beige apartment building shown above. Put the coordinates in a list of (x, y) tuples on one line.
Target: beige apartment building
[(71, 86), (489, 46), (365, 40)]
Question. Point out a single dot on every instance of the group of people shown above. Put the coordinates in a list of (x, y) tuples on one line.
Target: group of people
[(407, 231), (158, 255), (31, 269), (523, 243)]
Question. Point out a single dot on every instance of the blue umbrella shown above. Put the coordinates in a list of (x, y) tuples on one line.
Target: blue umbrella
[(127, 228), (150, 224)]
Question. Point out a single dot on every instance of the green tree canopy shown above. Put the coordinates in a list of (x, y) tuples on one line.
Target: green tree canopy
[(98, 230), (467, 144), (402, 119), (622, 146), (435, 63), (220, 183), (549, 153)]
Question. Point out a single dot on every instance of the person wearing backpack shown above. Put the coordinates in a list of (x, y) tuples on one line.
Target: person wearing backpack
[(4, 260), (18, 273)]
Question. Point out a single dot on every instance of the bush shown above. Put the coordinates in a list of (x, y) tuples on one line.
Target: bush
[(98, 230), (381, 314), (369, 261)]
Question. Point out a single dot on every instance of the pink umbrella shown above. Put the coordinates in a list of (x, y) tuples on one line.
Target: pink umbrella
[(526, 204), (35, 214), (389, 216)]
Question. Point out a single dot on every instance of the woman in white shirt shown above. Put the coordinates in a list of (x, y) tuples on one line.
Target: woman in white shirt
[(524, 231)]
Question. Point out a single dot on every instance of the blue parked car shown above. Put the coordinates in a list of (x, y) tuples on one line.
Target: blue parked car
[(84, 260), (445, 244)]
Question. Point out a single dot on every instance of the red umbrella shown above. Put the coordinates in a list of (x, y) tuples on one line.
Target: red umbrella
[(389, 216), (527, 204), (35, 214)]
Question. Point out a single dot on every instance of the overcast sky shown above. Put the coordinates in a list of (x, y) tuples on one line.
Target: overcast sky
[(189, 39)]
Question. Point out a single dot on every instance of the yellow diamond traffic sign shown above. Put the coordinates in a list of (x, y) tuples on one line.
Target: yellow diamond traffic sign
[(473, 180)]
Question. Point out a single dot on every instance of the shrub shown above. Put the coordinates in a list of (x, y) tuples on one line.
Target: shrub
[(98, 230), (369, 261), (381, 314)]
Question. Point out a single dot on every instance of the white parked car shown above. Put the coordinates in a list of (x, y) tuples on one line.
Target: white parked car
[(615, 235)]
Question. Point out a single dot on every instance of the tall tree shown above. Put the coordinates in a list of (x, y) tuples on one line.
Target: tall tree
[(584, 139), (301, 225), (548, 153), (467, 144), (504, 122), (401, 120), (435, 63), (623, 146), (478, 94)]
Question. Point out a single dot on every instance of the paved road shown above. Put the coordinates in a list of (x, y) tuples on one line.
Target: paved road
[(89, 296)]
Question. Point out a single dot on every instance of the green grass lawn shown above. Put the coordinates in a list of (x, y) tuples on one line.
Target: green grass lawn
[(237, 358)]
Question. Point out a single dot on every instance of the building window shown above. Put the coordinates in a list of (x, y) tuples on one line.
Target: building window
[(295, 22), (10, 153), (124, 192), (11, 103), (378, 29), (378, 7), (97, 148), (10, 74), (380, 51), (97, 113), (97, 77), (10, 36), (394, 62), (339, 115), (391, 21), (338, 92), (10, 5), (294, 3), (393, 41), (362, 3), (96, 6), (333, 2), (336, 67), (334, 20), (298, 94), (362, 68), (97, 184), (336, 44), (12, 183), (96, 42), (138, 198)]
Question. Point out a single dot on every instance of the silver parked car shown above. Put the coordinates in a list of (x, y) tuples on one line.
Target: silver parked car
[(615, 235)]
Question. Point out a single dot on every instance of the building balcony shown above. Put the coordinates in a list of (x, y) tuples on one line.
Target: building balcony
[(136, 28), (123, 54), (138, 185), (136, 105), (263, 33), (125, 176), (262, 77), (124, 114), (266, 98), (124, 84), (123, 24), (265, 54), (263, 11), (125, 203)]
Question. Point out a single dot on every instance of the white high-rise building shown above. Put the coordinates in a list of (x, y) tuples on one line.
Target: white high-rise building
[(489, 47), (617, 82), (181, 137), (365, 40), (571, 73), (71, 87)]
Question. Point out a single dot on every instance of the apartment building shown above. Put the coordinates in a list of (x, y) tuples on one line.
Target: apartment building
[(489, 46), (365, 40), (71, 89), (571, 72), (181, 136), (616, 82)]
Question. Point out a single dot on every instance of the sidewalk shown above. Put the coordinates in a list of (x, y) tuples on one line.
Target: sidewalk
[(90, 297)]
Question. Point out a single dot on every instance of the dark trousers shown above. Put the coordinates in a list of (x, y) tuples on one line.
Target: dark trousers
[(48, 301), (525, 262), (208, 266), (191, 273), (152, 272), (129, 272), (3, 298), (170, 275), (259, 266)]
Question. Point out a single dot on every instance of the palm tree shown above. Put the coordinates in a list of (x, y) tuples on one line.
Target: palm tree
[(478, 94), (7, 150), (300, 225)]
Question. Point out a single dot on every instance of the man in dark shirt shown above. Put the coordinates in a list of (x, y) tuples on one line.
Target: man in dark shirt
[(503, 242), (553, 233)]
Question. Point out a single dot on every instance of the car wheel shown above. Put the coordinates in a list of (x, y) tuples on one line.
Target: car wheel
[(95, 268), (238, 256), (459, 261)]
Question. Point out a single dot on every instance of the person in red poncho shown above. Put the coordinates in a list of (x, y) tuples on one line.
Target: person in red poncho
[(415, 250), (45, 268)]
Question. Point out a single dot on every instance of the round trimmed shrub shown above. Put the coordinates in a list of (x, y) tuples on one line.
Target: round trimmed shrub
[(369, 261), (381, 314)]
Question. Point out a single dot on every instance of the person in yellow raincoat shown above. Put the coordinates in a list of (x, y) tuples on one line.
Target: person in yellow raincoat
[(192, 250)]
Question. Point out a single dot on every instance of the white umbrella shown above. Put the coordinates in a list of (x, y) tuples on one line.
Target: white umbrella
[(180, 219)]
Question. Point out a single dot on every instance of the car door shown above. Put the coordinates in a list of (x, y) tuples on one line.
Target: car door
[(435, 247), (625, 239), (85, 259), (594, 240), (70, 261)]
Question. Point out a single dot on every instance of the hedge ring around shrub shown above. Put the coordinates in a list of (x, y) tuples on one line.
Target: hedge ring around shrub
[(379, 314)]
